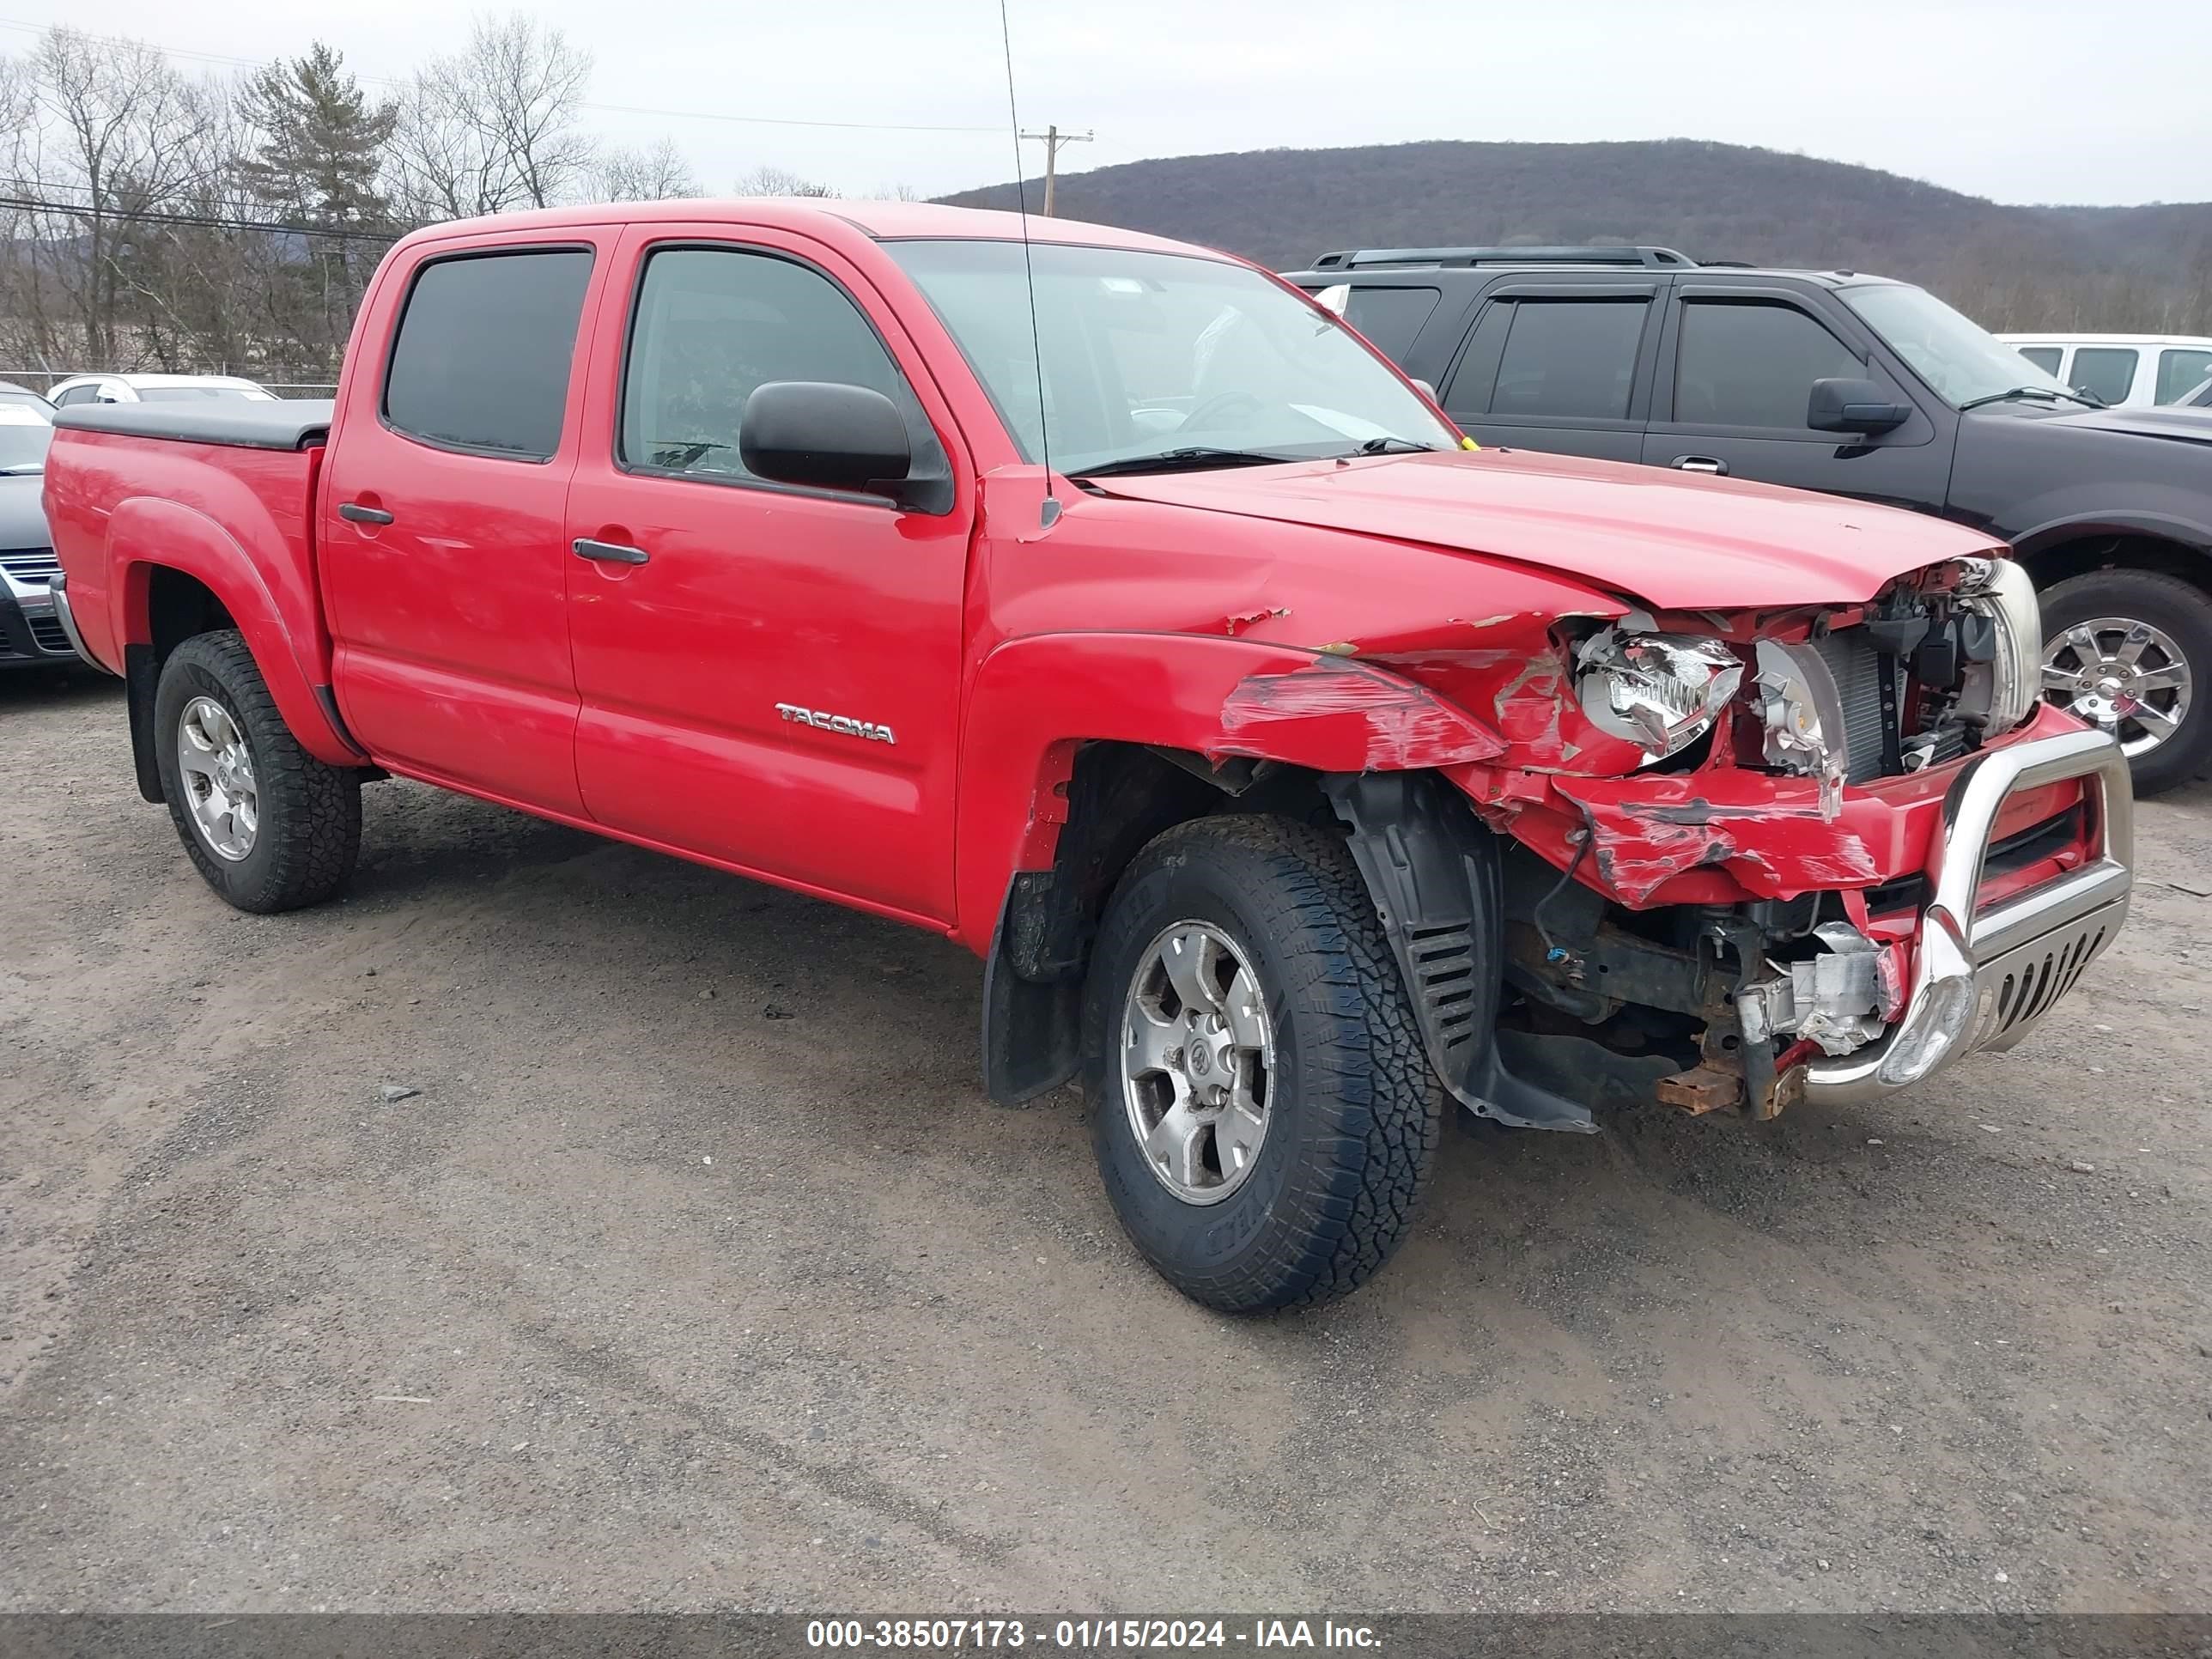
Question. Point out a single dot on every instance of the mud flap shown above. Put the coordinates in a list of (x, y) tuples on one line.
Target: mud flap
[(1032, 1029), (141, 673), (1433, 871)]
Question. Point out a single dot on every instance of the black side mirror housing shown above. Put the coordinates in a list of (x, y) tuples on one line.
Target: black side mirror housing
[(826, 436), (1854, 406)]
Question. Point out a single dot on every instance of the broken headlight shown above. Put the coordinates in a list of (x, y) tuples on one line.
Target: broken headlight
[(1998, 694), (1801, 719), (1658, 691)]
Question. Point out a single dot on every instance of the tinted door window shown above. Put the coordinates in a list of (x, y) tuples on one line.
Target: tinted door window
[(2179, 369), (2104, 371), (481, 361), (2044, 357), (712, 323), (1571, 359), (1390, 317), (76, 394), (1753, 364)]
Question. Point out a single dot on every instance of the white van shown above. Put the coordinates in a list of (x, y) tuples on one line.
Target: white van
[(2121, 368)]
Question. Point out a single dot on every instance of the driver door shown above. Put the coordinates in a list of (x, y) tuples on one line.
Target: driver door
[(714, 615)]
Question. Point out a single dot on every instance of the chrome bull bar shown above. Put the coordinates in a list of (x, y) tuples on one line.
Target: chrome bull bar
[(1983, 981)]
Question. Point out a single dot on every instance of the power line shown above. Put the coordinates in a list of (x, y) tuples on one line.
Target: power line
[(231, 62), (195, 221)]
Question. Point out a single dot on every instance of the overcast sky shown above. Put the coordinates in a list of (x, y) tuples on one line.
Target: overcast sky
[(2023, 100)]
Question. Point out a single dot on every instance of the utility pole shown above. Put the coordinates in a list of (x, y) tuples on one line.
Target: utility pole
[(1052, 138)]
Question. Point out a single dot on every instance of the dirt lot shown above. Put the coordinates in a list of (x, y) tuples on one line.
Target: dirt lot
[(700, 1273)]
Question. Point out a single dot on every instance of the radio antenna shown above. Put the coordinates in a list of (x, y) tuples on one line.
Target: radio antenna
[(1050, 510)]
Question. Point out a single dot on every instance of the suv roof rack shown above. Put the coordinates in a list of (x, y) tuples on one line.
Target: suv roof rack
[(1353, 258)]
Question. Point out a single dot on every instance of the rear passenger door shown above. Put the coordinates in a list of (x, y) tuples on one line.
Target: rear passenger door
[(1559, 367), (443, 539), (1737, 367)]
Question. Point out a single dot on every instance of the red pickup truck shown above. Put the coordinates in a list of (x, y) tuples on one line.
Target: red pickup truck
[(1106, 605)]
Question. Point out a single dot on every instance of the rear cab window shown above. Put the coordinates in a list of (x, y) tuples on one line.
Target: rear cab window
[(481, 360)]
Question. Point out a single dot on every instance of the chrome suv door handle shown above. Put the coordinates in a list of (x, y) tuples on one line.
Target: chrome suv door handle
[(354, 512), (609, 552), (1701, 463)]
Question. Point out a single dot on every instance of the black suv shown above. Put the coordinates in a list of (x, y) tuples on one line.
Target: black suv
[(1838, 382)]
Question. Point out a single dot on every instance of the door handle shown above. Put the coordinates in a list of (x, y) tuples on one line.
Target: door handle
[(354, 512), (609, 552), (1701, 463)]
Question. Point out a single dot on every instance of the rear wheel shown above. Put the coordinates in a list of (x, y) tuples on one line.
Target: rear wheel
[(2127, 650), (1263, 1112), (267, 825)]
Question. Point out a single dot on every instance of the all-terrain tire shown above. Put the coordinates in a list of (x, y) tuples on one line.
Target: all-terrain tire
[(1355, 1110), (2180, 610), (309, 830)]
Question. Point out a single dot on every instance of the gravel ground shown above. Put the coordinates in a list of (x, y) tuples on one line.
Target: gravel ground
[(699, 1272)]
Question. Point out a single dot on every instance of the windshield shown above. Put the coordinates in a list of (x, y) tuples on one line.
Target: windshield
[(1146, 353), (25, 430), (1959, 359)]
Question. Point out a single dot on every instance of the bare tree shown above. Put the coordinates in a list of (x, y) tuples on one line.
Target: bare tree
[(766, 180), (107, 135), (623, 174), (494, 127)]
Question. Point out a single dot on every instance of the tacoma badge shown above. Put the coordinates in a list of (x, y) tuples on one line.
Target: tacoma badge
[(843, 723)]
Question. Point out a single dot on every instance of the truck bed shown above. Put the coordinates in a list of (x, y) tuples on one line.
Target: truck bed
[(222, 495)]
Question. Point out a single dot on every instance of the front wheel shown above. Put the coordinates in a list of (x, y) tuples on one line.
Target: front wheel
[(267, 825), (2126, 650), (1263, 1110)]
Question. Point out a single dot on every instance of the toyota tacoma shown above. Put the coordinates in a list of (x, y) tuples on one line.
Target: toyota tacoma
[(1300, 773)]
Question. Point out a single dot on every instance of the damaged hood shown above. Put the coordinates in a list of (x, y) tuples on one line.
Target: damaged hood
[(1675, 542)]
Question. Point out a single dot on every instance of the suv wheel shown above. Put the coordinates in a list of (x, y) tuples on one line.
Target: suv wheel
[(1263, 1110), (271, 827), (2128, 650)]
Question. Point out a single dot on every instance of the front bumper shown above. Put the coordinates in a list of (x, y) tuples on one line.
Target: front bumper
[(1983, 978)]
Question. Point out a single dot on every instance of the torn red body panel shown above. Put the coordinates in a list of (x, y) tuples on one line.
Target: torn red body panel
[(1723, 835), (1376, 720)]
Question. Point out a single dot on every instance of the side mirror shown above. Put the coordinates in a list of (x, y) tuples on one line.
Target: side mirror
[(1854, 406), (825, 435), (1426, 390)]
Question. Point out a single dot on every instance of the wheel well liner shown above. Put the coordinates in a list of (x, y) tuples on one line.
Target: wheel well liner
[(2076, 551), (178, 605), (1435, 874), (1119, 797)]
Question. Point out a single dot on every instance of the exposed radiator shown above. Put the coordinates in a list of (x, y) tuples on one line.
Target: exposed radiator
[(1852, 658), (1856, 664)]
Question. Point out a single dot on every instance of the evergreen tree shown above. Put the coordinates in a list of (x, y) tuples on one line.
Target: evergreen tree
[(320, 142), (313, 158)]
